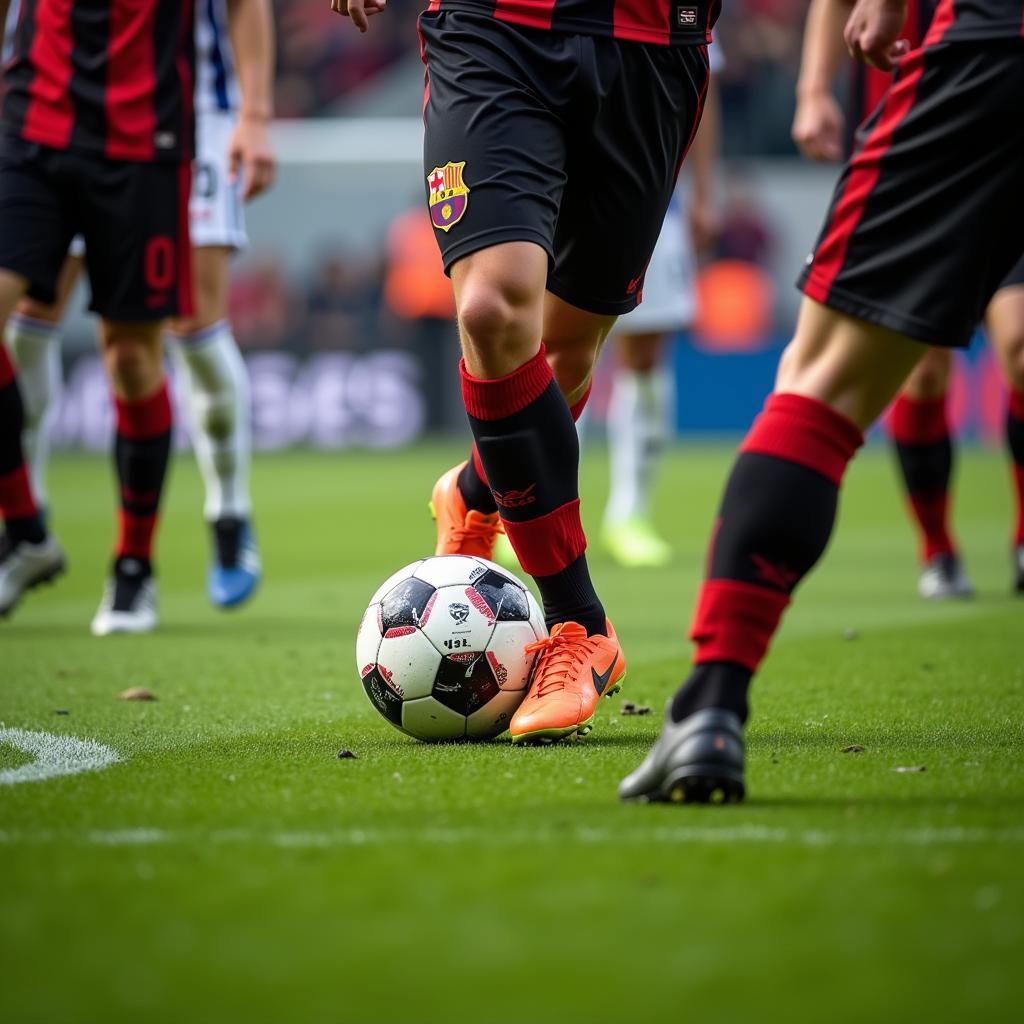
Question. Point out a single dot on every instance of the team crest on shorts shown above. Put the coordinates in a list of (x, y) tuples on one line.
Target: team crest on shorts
[(449, 195)]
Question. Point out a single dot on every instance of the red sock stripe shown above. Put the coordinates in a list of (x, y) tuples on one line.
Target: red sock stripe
[(148, 417), (932, 514), (918, 421), (735, 622), (479, 466), (549, 544), (16, 501), (135, 535), (807, 432), (577, 409), (6, 367), (505, 396), (1015, 407)]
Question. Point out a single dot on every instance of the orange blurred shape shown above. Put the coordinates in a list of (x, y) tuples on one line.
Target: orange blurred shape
[(415, 285), (734, 308)]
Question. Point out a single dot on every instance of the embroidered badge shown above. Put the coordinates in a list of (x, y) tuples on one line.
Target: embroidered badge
[(449, 196)]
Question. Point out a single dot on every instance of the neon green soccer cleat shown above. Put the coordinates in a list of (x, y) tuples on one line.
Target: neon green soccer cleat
[(634, 544)]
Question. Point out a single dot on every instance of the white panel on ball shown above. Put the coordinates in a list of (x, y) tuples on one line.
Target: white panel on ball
[(505, 654), (394, 579), (367, 640), (493, 718), (411, 661), (429, 719), (459, 620), (447, 570), (540, 627)]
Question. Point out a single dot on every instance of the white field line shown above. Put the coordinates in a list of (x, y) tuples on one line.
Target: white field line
[(54, 756), (682, 835)]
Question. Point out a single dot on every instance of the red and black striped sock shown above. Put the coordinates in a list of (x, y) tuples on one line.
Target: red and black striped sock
[(774, 524), (473, 486), (1015, 441), (141, 452), (530, 452), (920, 430), (21, 516)]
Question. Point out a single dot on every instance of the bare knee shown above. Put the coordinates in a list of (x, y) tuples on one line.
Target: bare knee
[(133, 358), (500, 323), (1011, 356), (930, 378)]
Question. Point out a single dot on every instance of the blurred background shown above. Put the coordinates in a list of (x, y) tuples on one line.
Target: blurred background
[(340, 305)]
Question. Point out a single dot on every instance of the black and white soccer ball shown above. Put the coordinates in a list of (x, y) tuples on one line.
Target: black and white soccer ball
[(441, 648)]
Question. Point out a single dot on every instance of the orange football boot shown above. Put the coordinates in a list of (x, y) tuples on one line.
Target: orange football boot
[(573, 672), (462, 531)]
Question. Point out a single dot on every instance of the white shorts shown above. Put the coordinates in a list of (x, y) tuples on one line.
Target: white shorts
[(670, 296), (215, 209)]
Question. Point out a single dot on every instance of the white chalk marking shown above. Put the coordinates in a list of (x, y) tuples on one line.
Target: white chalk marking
[(750, 835), (54, 756)]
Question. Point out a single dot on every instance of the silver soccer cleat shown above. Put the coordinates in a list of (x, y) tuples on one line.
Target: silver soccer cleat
[(24, 566)]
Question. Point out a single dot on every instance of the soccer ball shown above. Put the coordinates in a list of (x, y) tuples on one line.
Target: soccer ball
[(441, 648)]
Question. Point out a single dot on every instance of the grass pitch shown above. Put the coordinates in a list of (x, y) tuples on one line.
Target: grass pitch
[(231, 868)]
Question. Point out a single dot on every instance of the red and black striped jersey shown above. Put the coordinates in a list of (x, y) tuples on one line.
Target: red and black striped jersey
[(113, 78), (661, 22)]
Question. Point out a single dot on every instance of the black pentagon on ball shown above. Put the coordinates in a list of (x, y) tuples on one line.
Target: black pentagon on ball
[(505, 597), (383, 698), (465, 683), (404, 604)]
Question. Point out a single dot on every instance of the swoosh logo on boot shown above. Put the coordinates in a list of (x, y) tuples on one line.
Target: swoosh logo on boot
[(601, 680)]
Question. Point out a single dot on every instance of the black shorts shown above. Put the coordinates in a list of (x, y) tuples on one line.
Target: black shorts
[(927, 219), (573, 142), (133, 217), (1015, 278)]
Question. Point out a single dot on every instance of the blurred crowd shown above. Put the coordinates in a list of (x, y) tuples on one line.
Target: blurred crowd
[(325, 66)]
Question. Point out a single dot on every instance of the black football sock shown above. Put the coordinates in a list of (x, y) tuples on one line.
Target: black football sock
[(773, 525), (925, 451), (530, 451), (713, 684), (473, 486), (22, 519)]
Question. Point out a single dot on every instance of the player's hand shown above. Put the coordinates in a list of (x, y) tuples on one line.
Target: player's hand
[(818, 126), (872, 32), (705, 225), (359, 11), (250, 156)]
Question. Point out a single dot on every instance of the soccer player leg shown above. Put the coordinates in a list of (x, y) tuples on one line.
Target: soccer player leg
[(919, 425), (1005, 321), (773, 525), (638, 428), (32, 336), (908, 258), (35, 229), (135, 223), (494, 155), (216, 400)]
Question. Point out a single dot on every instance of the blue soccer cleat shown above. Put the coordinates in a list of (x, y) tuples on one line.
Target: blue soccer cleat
[(236, 570)]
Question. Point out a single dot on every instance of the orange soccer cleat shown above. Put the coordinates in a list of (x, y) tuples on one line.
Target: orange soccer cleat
[(573, 672), (462, 531)]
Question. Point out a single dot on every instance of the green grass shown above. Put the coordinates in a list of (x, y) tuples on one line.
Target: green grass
[(231, 868)]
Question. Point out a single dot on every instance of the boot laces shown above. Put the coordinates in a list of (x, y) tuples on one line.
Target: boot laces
[(559, 656), (478, 527)]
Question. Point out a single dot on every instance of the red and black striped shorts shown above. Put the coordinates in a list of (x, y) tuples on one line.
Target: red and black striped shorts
[(927, 219)]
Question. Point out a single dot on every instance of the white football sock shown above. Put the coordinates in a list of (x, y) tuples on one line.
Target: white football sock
[(216, 401), (35, 349), (638, 429)]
